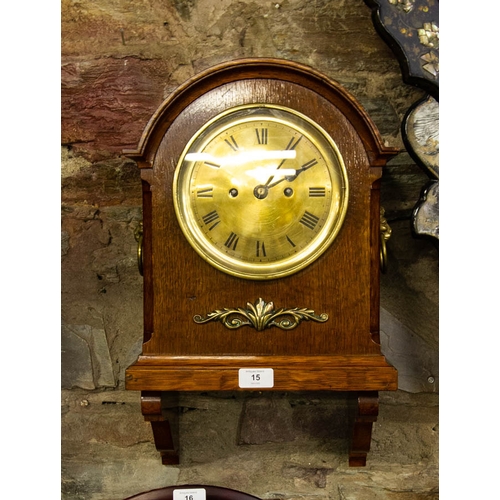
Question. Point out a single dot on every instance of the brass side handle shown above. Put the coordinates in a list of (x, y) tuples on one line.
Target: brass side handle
[(138, 234), (385, 234)]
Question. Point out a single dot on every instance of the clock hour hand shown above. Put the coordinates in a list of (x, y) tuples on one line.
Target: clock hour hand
[(291, 147), (291, 178), (303, 168)]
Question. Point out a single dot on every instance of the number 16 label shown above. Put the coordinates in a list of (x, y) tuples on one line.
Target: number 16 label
[(249, 378), (190, 494)]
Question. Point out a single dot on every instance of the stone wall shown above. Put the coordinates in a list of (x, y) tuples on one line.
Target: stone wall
[(120, 59)]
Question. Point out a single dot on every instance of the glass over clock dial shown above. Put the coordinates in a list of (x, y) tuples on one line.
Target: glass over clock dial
[(260, 191)]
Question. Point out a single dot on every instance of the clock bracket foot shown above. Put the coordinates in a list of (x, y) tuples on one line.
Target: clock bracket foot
[(162, 410), (363, 415)]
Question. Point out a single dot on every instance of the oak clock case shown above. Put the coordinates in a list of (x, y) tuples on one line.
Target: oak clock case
[(260, 243)]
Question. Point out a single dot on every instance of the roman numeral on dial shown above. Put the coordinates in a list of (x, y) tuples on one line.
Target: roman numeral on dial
[(292, 144), (232, 241), (317, 192), (231, 142), (205, 193), (211, 164), (309, 164), (261, 135), (309, 220), (211, 217), (260, 250)]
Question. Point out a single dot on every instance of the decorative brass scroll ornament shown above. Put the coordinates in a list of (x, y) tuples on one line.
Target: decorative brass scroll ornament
[(261, 315)]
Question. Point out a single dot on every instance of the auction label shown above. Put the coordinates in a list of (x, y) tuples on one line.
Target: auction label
[(190, 494), (250, 378)]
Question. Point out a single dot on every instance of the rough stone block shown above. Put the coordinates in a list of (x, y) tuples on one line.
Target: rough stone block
[(307, 476), (266, 420), (85, 357)]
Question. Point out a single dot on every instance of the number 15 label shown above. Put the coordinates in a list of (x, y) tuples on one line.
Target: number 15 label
[(249, 378)]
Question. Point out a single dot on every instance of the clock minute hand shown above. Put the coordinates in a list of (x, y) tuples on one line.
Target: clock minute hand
[(275, 182)]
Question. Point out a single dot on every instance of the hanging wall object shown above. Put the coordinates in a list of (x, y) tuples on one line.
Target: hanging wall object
[(411, 29), (421, 137)]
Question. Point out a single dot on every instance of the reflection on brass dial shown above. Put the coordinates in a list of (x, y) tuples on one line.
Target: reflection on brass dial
[(260, 191)]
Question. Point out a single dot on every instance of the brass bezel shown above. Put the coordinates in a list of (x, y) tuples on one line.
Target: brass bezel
[(182, 194)]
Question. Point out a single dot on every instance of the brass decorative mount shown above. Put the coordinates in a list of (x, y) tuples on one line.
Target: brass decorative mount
[(385, 234), (260, 316), (138, 235)]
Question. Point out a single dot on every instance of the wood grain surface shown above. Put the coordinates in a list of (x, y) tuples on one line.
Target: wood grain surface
[(343, 282)]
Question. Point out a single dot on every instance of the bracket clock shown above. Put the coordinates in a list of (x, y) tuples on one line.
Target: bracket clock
[(260, 245)]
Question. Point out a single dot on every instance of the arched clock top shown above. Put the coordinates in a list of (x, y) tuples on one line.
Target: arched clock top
[(260, 68)]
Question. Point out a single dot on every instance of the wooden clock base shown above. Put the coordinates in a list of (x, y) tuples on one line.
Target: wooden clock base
[(160, 379)]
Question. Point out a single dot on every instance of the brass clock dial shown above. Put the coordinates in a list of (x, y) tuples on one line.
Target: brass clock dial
[(260, 191)]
